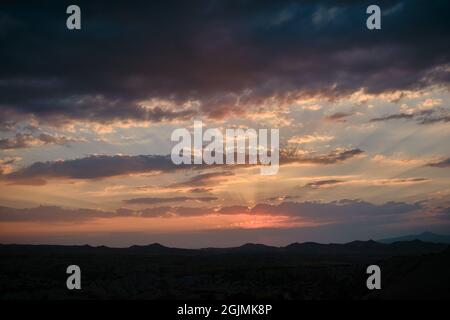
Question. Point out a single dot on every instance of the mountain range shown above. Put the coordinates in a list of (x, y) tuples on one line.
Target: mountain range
[(426, 242), (424, 236)]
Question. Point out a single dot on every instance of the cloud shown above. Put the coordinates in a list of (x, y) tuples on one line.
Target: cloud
[(440, 164), (309, 139), (320, 212), (314, 107), (200, 190), (338, 116), (282, 198), (323, 183), (105, 166), (331, 212), (22, 140), (437, 119), (323, 16), (7, 164), (334, 157), (91, 167), (55, 214), (336, 211), (375, 182), (430, 103), (393, 117), (429, 116), (50, 214), (170, 212), (406, 181), (150, 200), (397, 160), (204, 179), (271, 51)]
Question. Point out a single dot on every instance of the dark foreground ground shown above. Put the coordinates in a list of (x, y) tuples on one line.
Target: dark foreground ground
[(411, 269)]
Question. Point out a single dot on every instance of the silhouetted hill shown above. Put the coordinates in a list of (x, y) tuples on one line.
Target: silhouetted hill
[(245, 248), (155, 248), (425, 236)]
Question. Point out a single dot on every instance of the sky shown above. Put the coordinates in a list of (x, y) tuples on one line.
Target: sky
[(86, 118)]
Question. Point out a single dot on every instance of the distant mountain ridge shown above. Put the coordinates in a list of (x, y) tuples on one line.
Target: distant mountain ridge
[(354, 248), (424, 236)]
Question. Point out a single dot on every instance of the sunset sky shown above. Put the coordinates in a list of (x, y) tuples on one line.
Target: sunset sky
[(86, 118)]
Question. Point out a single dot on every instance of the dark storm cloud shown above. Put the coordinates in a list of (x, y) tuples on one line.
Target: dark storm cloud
[(104, 166), (227, 55)]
